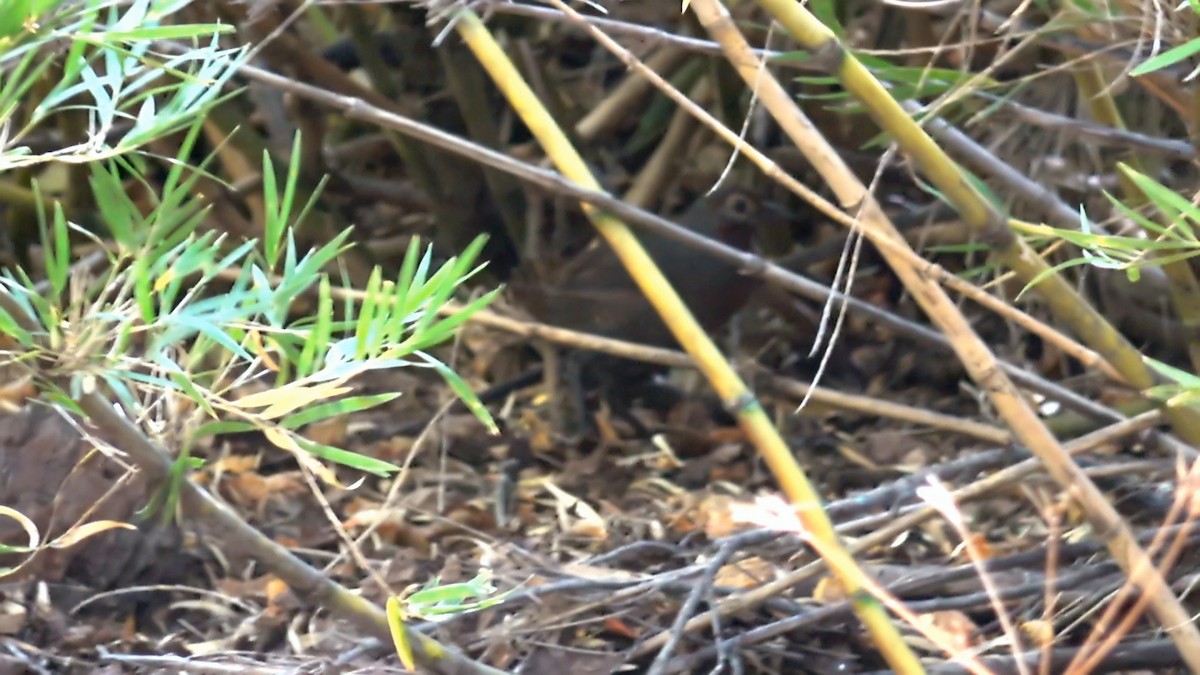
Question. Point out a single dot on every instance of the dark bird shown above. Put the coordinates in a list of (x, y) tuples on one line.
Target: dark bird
[(593, 293)]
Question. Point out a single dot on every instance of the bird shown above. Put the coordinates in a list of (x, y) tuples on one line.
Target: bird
[(593, 293)]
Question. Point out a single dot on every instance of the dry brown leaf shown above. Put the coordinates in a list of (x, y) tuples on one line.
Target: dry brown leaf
[(1040, 631), (243, 589), (261, 351), (287, 482), (276, 590), (980, 545), (614, 624), (359, 504), (246, 489), (331, 431), (745, 574), (830, 591), (539, 431), (81, 532), (234, 464), (391, 526), (13, 394), (474, 516), (737, 473), (713, 513), (604, 426), (716, 517), (576, 516), (129, 629), (366, 517), (954, 625), (12, 617), (286, 541)]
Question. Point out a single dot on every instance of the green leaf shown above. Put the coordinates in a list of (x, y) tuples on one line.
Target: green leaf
[(655, 116), (367, 312), (218, 428), (1168, 58), (463, 391), (343, 406), (435, 293), (826, 13), (448, 594), (133, 17), (1187, 397), (1178, 209), (18, 79), (116, 209), (211, 330), (120, 390), (416, 286), (315, 343), (173, 32), (274, 226), (184, 382), (13, 15), (229, 261), (435, 600), (1180, 377), (56, 245), (1049, 272), (142, 289), (353, 460), (298, 276), (10, 327), (447, 325)]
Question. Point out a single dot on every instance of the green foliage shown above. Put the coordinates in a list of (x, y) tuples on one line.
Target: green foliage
[(179, 315), (826, 12), (1177, 54), (1166, 244), (109, 71), (903, 82), (198, 340), (1183, 390), (436, 601), (1163, 244)]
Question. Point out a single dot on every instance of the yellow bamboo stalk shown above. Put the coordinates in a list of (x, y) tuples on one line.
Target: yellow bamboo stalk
[(751, 417), (1181, 281), (974, 354), (989, 225)]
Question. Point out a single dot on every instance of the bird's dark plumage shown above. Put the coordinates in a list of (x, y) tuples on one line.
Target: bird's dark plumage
[(593, 293)]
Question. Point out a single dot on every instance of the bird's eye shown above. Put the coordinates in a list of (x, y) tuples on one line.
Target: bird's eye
[(739, 206)]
